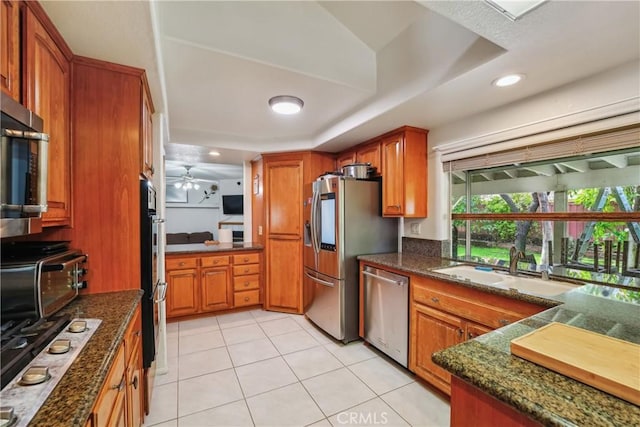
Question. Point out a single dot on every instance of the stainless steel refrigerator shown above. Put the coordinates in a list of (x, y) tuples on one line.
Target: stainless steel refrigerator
[(342, 220)]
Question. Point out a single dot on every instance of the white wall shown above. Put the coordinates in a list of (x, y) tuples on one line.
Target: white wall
[(195, 219), (593, 98)]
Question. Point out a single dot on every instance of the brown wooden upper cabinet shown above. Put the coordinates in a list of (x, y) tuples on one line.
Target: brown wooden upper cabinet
[(404, 173), (370, 153), (146, 145), (46, 90), (345, 159), (10, 48)]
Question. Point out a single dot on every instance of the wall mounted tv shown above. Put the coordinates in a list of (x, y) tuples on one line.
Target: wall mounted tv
[(233, 205)]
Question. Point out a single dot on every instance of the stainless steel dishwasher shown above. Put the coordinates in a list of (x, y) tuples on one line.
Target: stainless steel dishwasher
[(386, 312)]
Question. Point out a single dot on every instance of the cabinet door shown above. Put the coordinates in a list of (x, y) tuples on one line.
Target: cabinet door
[(473, 330), (393, 176), (284, 197), (182, 292), (47, 86), (345, 159), (217, 290), (431, 331), (10, 48), (370, 153), (284, 275), (146, 168), (134, 389)]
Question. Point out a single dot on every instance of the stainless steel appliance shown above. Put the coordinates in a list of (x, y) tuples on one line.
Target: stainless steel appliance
[(386, 313), (154, 291), (39, 278), (23, 172), (342, 220)]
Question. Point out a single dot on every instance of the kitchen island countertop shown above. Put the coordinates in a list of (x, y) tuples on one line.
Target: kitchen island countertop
[(71, 401), (541, 394), (194, 248)]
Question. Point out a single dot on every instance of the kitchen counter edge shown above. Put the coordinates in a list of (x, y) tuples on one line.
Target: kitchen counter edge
[(197, 248)]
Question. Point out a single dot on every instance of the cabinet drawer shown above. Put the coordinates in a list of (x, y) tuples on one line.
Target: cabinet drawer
[(246, 298), (133, 335), (113, 385), (246, 259), (240, 270), (179, 263), (244, 283), (477, 311), (214, 261)]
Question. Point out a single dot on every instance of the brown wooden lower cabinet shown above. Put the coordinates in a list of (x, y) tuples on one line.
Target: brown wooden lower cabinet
[(470, 406), (444, 314), (201, 282), (119, 403)]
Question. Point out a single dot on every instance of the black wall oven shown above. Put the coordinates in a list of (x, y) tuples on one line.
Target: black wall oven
[(148, 267)]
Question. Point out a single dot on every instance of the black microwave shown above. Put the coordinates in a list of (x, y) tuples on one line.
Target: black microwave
[(23, 169)]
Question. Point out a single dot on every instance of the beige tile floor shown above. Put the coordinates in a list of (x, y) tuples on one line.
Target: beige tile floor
[(259, 368)]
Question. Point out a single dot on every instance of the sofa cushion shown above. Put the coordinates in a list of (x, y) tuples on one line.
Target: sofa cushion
[(200, 237), (177, 238)]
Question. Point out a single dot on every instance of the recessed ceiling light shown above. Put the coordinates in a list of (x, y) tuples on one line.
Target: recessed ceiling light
[(285, 104), (508, 80), (214, 153)]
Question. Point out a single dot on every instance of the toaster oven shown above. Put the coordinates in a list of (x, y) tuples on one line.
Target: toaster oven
[(37, 286)]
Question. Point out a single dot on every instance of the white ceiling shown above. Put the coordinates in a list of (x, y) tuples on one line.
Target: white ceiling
[(362, 68)]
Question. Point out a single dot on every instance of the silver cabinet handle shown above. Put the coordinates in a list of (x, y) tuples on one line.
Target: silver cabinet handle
[(159, 220), (384, 279)]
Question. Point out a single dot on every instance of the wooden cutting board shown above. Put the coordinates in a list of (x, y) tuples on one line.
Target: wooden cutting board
[(608, 364)]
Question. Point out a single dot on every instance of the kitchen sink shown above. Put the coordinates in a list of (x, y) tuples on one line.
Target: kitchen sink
[(502, 280)]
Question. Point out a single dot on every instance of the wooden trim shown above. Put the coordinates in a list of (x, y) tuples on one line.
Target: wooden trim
[(110, 66), (49, 26), (553, 216)]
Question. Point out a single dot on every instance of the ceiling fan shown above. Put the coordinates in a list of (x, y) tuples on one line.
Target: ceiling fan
[(187, 181)]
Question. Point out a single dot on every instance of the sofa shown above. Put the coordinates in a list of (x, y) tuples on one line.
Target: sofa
[(188, 238)]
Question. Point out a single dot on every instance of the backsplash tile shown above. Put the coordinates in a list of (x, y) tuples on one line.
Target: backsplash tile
[(427, 247)]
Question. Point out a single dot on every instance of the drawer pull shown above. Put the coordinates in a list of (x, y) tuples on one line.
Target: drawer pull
[(246, 260), (460, 333), (119, 386), (216, 261), (471, 335), (434, 299), (181, 263), (503, 322), (246, 270), (247, 283), (246, 299)]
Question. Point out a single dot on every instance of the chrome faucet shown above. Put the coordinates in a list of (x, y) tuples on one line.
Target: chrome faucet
[(514, 256)]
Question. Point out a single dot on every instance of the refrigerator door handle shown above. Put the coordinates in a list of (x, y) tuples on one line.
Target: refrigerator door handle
[(314, 222), (322, 282)]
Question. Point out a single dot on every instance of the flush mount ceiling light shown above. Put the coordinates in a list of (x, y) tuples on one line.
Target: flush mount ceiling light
[(285, 104), (514, 9), (214, 153), (508, 80)]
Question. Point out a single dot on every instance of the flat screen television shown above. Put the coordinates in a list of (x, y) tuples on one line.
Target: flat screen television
[(233, 205)]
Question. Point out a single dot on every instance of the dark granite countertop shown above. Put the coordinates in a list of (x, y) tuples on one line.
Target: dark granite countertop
[(551, 398), (70, 403), (202, 248)]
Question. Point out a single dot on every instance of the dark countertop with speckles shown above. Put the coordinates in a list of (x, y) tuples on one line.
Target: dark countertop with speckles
[(70, 403), (202, 248), (543, 395)]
